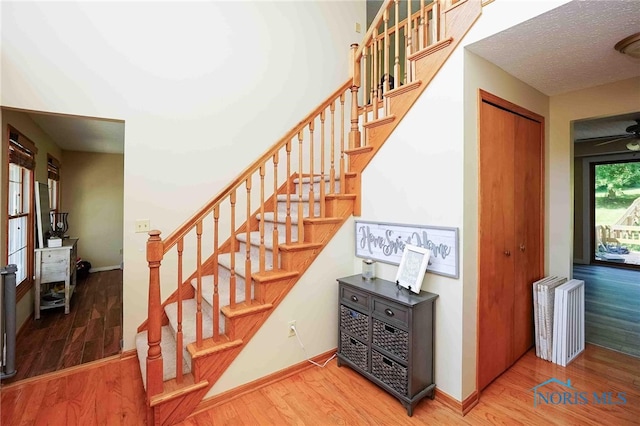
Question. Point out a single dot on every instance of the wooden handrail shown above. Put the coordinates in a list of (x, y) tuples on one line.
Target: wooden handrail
[(184, 229)]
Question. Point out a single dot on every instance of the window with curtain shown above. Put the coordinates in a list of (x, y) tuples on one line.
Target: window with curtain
[(20, 241)]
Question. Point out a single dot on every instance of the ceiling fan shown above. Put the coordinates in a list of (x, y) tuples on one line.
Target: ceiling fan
[(633, 137)]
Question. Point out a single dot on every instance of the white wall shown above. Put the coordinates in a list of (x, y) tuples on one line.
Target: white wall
[(203, 88)]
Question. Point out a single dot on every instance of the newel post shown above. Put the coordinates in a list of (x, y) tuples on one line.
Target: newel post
[(155, 252), (354, 134)]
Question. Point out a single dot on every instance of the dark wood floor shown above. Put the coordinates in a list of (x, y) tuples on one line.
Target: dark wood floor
[(612, 307), (92, 330)]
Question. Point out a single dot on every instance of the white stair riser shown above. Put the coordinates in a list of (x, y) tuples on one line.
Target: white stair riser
[(254, 253), (282, 229), (282, 209), (316, 187)]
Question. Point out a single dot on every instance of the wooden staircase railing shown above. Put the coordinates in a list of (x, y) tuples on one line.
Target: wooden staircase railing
[(253, 229)]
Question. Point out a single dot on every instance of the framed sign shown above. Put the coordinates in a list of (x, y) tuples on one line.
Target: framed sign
[(385, 243), (412, 267)]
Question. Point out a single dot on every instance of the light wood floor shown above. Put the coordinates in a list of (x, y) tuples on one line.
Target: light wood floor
[(612, 307), (111, 394)]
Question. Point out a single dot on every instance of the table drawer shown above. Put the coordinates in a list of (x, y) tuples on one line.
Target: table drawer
[(391, 312), (354, 297)]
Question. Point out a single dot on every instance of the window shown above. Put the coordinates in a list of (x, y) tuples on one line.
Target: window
[(20, 241)]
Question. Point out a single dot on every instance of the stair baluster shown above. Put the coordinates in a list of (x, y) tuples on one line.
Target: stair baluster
[(311, 176), (396, 62), (247, 260), (288, 186), (216, 296), (262, 246), (232, 279), (300, 170), (276, 241), (179, 336), (343, 188), (199, 285), (332, 167), (354, 134), (322, 171)]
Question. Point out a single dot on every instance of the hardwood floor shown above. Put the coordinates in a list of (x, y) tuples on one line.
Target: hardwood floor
[(612, 307), (92, 330), (111, 393)]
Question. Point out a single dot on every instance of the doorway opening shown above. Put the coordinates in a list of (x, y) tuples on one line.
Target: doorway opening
[(615, 203)]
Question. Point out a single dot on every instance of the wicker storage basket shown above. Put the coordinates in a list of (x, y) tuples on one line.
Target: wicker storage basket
[(390, 372), (354, 350), (354, 322), (391, 339)]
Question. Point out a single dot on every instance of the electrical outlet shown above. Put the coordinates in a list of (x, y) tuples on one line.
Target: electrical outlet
[(291, 324), (358, 27), (142, 225)]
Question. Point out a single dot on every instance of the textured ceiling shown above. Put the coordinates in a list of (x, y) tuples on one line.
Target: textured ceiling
[(568, 48)]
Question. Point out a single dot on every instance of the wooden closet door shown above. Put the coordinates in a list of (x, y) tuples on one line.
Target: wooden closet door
[(528, 231), (496, 236)]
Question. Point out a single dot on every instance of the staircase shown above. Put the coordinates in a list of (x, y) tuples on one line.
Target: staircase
[(250, 244)]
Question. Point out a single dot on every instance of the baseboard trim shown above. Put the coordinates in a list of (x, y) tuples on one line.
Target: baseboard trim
[(104, 268), (67, 371), (470, 402), (231, 394), (458, 407)]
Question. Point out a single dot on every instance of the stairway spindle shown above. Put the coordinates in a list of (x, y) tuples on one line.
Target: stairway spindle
[(288, 218), (354, 134), (311, 176), (232, 278), (407, 50), (247, 260), (376, 78), (322, 171), (262, 246), (216, 297), (386, 77), (179, 336), (396, 61), (422, 32), (300, 204), (343, 188), (332, 167), (199, 286), (276, 243)]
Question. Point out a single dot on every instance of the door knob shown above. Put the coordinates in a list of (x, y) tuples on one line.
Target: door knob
[(521, 247), (507, 253)]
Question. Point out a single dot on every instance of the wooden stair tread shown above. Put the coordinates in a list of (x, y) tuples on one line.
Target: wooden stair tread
[(403, 89), (321, 220), (210, 346), (299, 246), (341, 196), (173, 389), (431, 49), (358, 150), (274, 275), (379, 122), (242, 309)]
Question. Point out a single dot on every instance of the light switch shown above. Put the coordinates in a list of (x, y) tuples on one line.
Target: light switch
[(142, 225)]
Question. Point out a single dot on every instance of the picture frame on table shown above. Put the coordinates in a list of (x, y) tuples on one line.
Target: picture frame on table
[(413, 266)]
